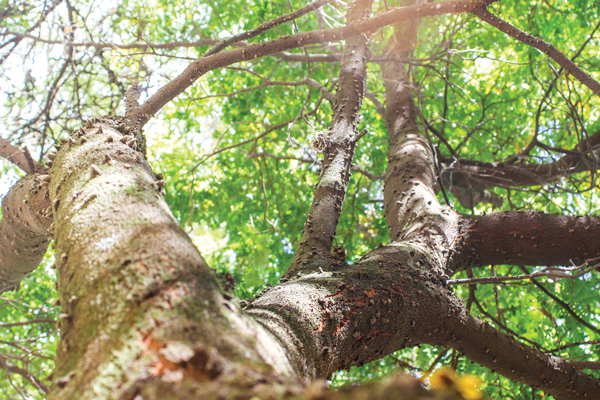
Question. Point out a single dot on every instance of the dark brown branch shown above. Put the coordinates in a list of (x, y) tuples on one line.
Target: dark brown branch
[(551, 272), (205, 64), (586, 364), (485, 345), (530, 238), (570, 345), (583, 77), (338, 148), (30, 322), (34, 380), (561, 303), (480, 175)]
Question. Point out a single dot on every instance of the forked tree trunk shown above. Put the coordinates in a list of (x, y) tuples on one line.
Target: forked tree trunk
[(145, 318)]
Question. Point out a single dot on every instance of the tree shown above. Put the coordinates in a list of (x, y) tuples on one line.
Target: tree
[(449, 135)]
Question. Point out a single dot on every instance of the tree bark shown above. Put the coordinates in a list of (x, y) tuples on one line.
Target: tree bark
[(24, 229), (144, 316)]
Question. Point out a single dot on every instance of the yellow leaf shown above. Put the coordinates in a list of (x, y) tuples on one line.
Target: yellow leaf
[(446, 380)]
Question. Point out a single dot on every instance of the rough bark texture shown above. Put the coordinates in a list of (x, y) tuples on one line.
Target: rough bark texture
[(531, 238), (145, 318), (142, 313), (24, 229), (338, 148), (468, 179)]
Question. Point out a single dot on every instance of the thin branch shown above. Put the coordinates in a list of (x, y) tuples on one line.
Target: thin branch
[(506, 328), (311, 82), (265, 133), (16, 40), (34, 380), (30, 322), (586, 364), (553, 273), (371, 176), (570, 345), (561, 303), (545, 47), (265, 27)]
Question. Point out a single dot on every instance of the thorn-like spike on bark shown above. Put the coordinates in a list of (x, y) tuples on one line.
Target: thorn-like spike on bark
[(51, 156), (110, 160), (71, 140), (95, 171), (125, 139)]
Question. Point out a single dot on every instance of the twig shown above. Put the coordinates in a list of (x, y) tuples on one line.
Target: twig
[(30, 322), (554, 273), (265, 27), (564, 305), (360, 135)]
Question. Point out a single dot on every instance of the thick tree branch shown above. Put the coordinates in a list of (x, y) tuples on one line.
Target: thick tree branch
[(487, 346), (411, 207), (529, 238), (203, 65), (338, 148), (24, 229), (480, 175), (583, 77)]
